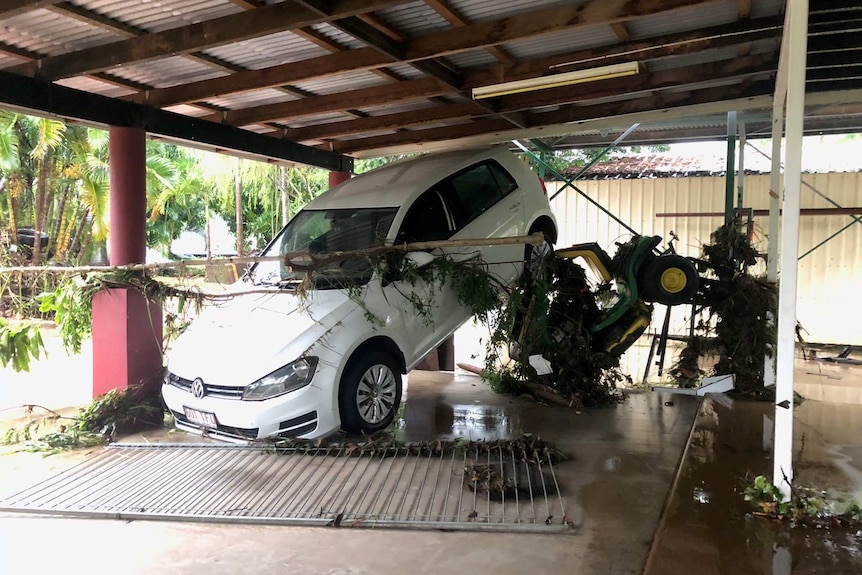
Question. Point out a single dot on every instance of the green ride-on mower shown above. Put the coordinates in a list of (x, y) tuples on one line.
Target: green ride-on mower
[(640, 275)]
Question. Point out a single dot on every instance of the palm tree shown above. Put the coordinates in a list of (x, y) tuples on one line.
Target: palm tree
[(50, 136)]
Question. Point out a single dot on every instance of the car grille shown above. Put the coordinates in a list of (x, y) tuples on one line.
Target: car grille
[(220, 391), (237, 432)]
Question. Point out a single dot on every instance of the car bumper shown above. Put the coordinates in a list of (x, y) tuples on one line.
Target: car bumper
[(306, 413)]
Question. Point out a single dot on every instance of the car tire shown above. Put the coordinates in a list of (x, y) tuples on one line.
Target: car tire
[(669, 280), (535, 256), (370, 393)]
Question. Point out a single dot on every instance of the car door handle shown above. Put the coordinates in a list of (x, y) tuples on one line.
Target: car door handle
[(515, 207)]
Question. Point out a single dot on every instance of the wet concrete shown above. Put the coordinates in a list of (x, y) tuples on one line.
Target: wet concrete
[(708, 528), (623, 462)]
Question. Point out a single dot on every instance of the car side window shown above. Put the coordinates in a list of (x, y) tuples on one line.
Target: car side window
[(474, 190), (426, 220)]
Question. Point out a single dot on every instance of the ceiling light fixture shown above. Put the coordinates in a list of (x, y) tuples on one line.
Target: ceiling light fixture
[(556, 80)]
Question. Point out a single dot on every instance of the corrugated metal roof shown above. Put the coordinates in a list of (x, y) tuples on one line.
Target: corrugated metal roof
[(266, 51), (7, 60), (397, 107), (414, 19), (90, 84), (407, 71), (327, 118), (705, 57), (167, 71), (342, 83), (254, 98), (763, 8), (187, 110), (342, 39), (562, 42), (472, 59), (483, 10), (162, 14), (49, 33), (683, 19)]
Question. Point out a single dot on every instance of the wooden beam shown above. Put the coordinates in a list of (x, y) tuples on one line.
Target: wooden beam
[(11, 8), (384, 123), (363, 58), (715, 37), (537, 23), (538, 121), (216, 32), (654, 84), (420, 136), (671, 45), (573, 114), (92, 18), (19, 92), (621, 32), (374, 96), (375, 22), (455, 18)]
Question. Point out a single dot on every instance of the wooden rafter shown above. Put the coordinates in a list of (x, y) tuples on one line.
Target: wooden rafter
[(490, 126), (537, 23), (687, 42), (207, 34), (620, 31), (455, 18), (386, 122), (364, 97)]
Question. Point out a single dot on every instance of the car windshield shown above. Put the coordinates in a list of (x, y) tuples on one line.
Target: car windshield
[(323, 232)]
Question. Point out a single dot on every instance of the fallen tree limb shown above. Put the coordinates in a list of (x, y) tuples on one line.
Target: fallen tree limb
[(300, 261), (542, 391)]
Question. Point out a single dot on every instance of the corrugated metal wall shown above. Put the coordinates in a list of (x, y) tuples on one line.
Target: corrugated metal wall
[(829, 278)]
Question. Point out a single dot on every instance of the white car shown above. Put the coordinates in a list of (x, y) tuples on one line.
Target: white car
[(278, 363)]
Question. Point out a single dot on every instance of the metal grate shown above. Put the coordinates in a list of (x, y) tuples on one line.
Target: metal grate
[(321, 486)]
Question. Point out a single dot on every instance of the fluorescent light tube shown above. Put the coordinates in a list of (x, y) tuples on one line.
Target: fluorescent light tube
[(556, 80)]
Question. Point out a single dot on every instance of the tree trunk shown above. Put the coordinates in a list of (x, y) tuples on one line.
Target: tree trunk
[(285, 194), (59, 221), (75, 244), (238, 195), (39, 208)]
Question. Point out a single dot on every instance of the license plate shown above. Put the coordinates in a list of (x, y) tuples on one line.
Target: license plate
[(202, 418)]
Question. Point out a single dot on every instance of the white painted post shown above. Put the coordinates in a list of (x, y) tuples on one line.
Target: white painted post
[(774, 208), (797, 34)]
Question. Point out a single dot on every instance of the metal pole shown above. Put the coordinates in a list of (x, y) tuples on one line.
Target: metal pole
[(797, 35), (731, 156)]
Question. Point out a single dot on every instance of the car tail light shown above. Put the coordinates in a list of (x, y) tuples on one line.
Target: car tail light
[(544, 187)]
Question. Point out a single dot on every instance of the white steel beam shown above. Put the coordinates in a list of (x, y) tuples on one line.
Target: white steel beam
[(796, 35)]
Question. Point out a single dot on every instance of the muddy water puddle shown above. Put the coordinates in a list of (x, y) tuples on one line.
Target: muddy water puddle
[(707, 526)]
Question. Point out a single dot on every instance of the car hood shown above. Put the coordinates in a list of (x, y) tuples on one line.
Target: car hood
[(248, 336)]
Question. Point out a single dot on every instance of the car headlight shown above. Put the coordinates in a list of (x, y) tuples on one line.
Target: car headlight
[(285, 379)]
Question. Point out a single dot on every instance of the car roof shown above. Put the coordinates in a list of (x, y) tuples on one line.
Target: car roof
[(399, 183)]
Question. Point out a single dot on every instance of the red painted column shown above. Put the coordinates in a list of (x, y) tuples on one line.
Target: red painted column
[(127, 329), (336, 178)]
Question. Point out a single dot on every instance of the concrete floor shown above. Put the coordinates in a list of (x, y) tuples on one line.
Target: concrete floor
[(624, 460), (626, 466)]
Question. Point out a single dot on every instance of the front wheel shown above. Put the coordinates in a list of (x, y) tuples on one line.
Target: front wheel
[(370, 393)]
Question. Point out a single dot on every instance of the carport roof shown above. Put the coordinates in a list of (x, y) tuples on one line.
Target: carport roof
[(318, 81)]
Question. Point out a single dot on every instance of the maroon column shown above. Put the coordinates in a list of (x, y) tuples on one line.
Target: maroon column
[(336, 178), (127, 329)]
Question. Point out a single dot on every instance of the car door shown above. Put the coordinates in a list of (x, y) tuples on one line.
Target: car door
[(428, 219), (484, 204)]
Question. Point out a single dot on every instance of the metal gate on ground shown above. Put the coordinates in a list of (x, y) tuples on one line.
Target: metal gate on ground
[(473, 489)]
